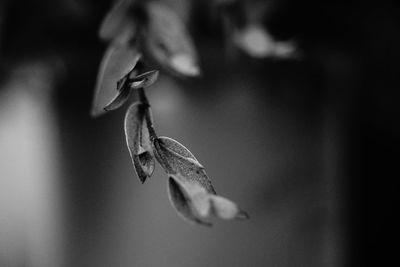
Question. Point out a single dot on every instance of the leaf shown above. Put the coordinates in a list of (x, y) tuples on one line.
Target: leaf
[(181, 201), (190, 189), (177, 159), (117, 62), (121, 97), (117, 25), (138, 141), (167, 41), (195, 204)]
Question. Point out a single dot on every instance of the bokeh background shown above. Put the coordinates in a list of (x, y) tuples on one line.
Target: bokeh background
[(307, 146)]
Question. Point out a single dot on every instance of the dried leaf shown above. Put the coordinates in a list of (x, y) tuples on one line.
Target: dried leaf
[(167, 41), (177, 159), (138, 141), (117, 62)]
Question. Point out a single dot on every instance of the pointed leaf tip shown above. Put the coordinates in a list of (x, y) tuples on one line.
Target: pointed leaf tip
[(242, 215)]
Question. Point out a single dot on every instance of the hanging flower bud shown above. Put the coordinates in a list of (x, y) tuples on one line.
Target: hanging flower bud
[(138, 140)]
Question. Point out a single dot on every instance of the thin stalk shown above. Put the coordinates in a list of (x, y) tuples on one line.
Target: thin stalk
[(147, 114)]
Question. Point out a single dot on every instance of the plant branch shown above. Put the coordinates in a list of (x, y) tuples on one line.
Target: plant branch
[(147, 114)]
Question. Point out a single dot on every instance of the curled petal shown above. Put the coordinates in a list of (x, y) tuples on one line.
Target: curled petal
[(117, 62), (138, 142)]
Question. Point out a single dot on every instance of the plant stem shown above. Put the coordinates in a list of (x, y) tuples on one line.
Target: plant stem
[(147, 115)]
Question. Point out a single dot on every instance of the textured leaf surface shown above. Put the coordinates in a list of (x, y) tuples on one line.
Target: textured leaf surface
[(138, 141), (177, 159), (116, 63)]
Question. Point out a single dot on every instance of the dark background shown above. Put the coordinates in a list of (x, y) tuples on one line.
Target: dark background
[(307, 146)]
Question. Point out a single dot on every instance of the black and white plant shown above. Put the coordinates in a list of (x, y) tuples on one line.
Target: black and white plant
[(139, 32)]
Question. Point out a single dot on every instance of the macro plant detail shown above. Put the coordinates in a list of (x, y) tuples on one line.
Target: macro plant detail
[(143, 34)]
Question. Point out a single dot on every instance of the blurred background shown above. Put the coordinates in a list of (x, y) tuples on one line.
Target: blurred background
[(305, 144)]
